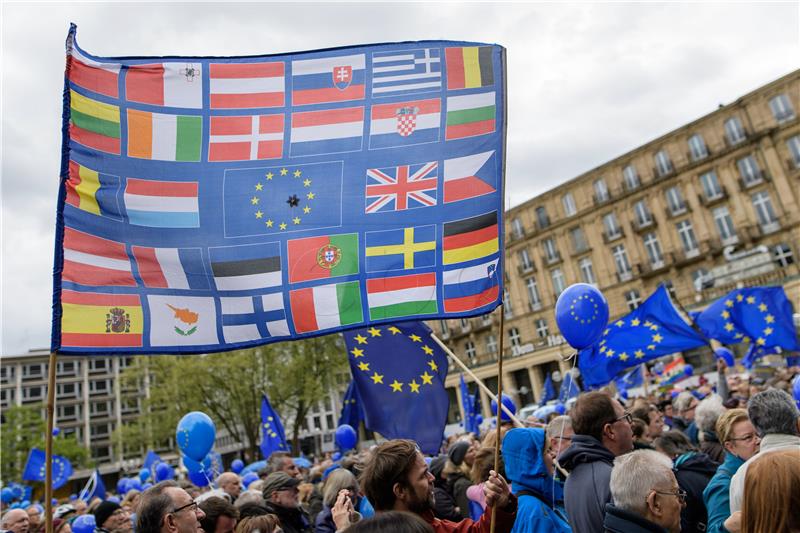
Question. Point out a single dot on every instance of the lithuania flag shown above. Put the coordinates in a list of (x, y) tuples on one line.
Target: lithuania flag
[(94, 124), (323, 257)]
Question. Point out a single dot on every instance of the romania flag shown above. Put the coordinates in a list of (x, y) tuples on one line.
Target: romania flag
[(92, 191), (93, 319)]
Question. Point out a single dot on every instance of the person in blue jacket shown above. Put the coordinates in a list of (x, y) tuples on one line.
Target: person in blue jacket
[(529, 467), (739, 438)]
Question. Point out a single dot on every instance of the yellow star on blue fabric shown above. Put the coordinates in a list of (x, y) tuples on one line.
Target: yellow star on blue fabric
[(374, 332), (360, 339)]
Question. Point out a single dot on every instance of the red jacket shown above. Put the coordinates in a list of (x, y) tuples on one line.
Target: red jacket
[(504, 520)]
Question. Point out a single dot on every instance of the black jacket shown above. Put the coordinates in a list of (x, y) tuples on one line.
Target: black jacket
[(457, 485), (293, 520), (619, 521), (587, 491), (444, 506), (693, 471)]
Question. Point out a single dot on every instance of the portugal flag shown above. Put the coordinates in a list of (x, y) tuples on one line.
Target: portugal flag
[(323, 257)]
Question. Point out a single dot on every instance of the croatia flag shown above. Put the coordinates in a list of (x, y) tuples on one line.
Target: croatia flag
[(405, 123), (162, 204), (328, 79)]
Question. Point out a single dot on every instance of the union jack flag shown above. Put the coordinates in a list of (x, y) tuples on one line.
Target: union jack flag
[(402, 187)]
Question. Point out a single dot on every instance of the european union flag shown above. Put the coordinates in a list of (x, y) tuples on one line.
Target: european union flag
[(761, 315), (352, 410), (273, 438), (469, 404), (400, 371), (35, 468), (653, 329), (755, 352), (569, 388), (94, 488), (629, 380), (549, 392)]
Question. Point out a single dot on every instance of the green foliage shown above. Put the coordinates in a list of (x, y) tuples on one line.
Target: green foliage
[(228, 387), (24, 428)]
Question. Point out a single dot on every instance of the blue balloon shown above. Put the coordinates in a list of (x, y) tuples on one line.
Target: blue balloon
[(509, 403), (147, 486), (73, 497), (658, 368), (6, 495), (18, 491), (346, 437), (114, 499), (84, 524), (195, 435), (14, 505), (249, 478), (725, 354), (336, 456), (561, 408), (688, 370), (302, 462), (56, 431), (192, 465), (237, 465), (479, 419), (164, 472), (135, 483), (198, 479), (144, 473), (581, 315), (25, 504), (122, 485)]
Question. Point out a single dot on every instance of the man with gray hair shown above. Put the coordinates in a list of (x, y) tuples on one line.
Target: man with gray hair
[(16, 520), (776, 420), (559, 435), (167, 508), (646, 495), (684, 405)]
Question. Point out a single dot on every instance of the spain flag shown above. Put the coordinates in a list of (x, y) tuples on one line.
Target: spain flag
[(94, 319)]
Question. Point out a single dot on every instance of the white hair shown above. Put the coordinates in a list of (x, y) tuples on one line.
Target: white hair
[(635, 474), (558, 425), (708, 412), (682, 401)]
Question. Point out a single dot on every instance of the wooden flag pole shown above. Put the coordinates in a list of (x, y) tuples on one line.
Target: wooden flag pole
[(499, 406), (48, 444), (477, 380)]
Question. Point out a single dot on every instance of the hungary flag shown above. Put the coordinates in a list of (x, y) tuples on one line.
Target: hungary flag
[(326, 306), (164, 137), (402, 296), (470, 115), (323, 257)]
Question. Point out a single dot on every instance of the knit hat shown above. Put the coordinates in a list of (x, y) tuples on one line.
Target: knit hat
[(437, 465), (457, 452), (104, 511), (278, 481)]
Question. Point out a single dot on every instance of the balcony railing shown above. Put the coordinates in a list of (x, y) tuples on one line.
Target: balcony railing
[(754, 179), (721, 194), (552, 259), (641, 225), (607, 238)]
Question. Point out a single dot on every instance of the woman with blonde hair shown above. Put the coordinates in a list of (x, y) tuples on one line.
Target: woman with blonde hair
[(772, 494), (265, 523)]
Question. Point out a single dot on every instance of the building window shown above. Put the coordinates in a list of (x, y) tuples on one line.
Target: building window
[(734, 131), (621, 260), (7, 373), (541, 328), (675, 200), (653, 248), (68, 390), (793, 143), (464, 324), (469, 349), (699, 279), (764, 210), (722, 219), (688, 239), (749, 171), (97, 364), (550, 250), (491, 344), (600, 190), (33, 371), (569, 204), (524, 260), (663, 163), (444, 327), (513, 336), (587, 271), (517, 229), (542, 220), (67, 368), (781, 108), (508, 308), (486, 320), (533, 293), (697, 147), (633, 299), (558, 281), (611, 226), (631, 177), (643, 216), (711, 186), (7, 397), (68, 413), (783, 255), (30, 394), (99, 387), (100, 408), (578, 240)]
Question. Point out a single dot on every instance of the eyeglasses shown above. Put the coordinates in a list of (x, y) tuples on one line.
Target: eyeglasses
[(750, 437), (191, 505), (626, 416), (678, 493)]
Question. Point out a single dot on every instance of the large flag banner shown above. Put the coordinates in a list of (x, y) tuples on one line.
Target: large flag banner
[(653, 329), (399, 372), (36, 464), (94, 488), (215, 203)]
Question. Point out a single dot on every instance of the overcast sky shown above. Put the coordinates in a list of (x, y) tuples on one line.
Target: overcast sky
[(587, 82)]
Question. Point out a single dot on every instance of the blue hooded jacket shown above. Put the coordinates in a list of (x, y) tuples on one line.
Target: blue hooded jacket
[(716, 495), (525, 468)]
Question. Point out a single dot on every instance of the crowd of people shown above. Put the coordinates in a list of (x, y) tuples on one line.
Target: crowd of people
[(724, 460)]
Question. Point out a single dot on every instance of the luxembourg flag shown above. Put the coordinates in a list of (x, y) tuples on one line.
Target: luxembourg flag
[(328, 79), (330, 131), (405, 123), (162, 204), (171, 268)]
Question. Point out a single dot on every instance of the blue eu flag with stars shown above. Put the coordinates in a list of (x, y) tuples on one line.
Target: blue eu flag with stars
[(399, 371), (273, 438), (760, 315), (549, 392), (629, 380), (653, 329), (469, 403), (37, 462), (352, 411), (569, 388)]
